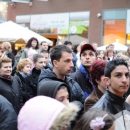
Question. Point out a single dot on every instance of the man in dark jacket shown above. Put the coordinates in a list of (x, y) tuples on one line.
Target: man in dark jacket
[(8, 117), (117, 79), (61, 58), (32, 79), (10, 88), (82, 75)]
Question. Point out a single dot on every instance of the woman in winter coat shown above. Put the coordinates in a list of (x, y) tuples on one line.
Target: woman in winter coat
[(23, 69)]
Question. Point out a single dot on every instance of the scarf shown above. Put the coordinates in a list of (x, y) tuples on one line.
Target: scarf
[(23, 74), (6, 77), (83, 71)]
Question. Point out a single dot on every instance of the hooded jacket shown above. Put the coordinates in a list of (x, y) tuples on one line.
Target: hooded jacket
[(77, 93), (8, 117), (50, 88)]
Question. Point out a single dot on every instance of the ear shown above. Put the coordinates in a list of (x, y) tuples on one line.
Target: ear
[(98, 81), (55, 63), (107, 80)]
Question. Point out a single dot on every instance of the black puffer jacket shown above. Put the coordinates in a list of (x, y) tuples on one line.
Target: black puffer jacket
[(8, 117), (11, 90), (32, 81), (26, 91), (77, 93), (112, 103)]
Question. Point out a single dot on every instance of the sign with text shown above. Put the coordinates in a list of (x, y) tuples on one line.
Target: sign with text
[(54, 23), (60, 23), (128, 22)]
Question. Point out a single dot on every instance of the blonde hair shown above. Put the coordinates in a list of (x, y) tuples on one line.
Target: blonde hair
[(23, 63), (5, 60), (7, 46), (124, 57), (81, 44)]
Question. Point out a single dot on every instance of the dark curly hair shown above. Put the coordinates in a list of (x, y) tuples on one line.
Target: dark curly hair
[(29, 43)]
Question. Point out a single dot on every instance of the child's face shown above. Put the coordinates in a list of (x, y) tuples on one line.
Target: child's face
[(62, 95)]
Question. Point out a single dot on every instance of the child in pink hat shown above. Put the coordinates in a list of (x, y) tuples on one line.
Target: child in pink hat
[(44, 113)]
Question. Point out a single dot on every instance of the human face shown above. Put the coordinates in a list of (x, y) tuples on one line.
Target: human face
[(119, 82), (34, 43), (27, 69), (6, 69), (40, 63), (46, 57), (62, 95), (87, 58), (110, 53), (44, 46), (64, 66)]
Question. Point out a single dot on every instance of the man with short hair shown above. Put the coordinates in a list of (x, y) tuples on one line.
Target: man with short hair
[(61, 58), (117, 79), (69, 44), (46, 56), (10, 87), (82, 75), (44, 46)]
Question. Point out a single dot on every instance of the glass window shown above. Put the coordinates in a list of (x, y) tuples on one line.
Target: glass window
[(114, 31)]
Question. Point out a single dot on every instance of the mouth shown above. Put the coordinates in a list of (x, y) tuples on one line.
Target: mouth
[(124, 87)]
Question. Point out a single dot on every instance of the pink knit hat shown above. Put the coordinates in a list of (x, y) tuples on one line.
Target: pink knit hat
[(39, 113)]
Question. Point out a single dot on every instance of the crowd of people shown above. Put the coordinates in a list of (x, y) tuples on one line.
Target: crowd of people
[(44, 88)]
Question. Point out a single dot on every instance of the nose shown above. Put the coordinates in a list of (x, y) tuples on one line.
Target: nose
[(125, 79), (87, 56), (66, 102), (71, 64)]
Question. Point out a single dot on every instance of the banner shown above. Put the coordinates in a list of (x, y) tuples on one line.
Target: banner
[(61, 23)]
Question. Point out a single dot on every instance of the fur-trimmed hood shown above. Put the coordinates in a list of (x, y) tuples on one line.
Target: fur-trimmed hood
[(67, 115), (44, 113)]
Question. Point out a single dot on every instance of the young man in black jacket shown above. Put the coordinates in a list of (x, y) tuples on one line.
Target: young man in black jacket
[(117, 79), (62, 60)]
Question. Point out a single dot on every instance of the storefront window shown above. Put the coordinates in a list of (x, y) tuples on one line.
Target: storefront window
[(3, 11), (114, 31)]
